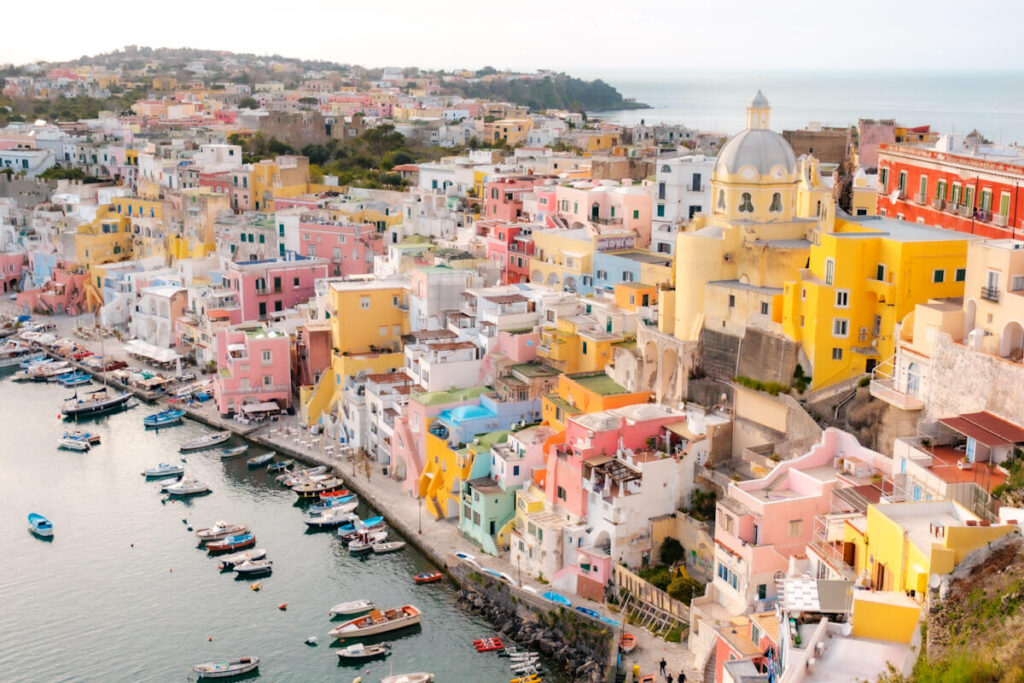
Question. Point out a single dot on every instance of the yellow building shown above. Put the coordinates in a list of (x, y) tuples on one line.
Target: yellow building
[(511, 131), (106, 239), (864, 194), (898, 546), (891, 616), (862, 280), (200, 207), (447, 469), (585, 393), (285, 176)]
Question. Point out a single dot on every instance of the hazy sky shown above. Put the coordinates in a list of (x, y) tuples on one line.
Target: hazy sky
[(584, 37)]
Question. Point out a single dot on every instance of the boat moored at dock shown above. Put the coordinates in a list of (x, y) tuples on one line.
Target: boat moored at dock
[(204, 442)]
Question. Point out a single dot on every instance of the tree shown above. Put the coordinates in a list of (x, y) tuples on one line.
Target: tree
[(318, 154), (685, 588), (275, 147), (308, 100), (248, 103), (671, 551)]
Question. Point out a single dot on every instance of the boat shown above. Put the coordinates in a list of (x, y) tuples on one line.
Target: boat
[(488, 644), (610, 622), (227, 543), (557, 598), (340, 493), (627, 643), (165, 418), (254, 567), (96, 402), (352, 608), (261, 459), (349, 536), (377, 622), (229, 561), (280, 465), (205, 441), (40, 525), (386, 547), (289, 478), (327, 518), (348, 502), (188, 486), (238, 667), (365, 541), (232, 451), (313, 489), (71, 444), (361, 524), (76, 379), (92, 438), (589, 612), (418, 677), (428, 577), (45, 371), (219, 530), (360, 652), (532, 678), (163, 470), (14, 352)]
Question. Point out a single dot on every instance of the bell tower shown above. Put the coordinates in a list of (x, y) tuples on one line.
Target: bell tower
[(758, 112)]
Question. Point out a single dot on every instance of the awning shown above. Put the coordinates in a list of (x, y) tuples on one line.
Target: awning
[(264, 407), (138, 347), (682, 429), (985, 428), (598, 460)]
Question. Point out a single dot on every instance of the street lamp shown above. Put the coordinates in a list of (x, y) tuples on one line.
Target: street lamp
[(419, 515)]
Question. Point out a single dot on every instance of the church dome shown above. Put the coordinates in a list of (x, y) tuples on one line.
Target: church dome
[(763, 149)]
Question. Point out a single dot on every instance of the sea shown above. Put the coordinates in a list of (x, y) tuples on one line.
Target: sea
[(991, 102), (123, 593)]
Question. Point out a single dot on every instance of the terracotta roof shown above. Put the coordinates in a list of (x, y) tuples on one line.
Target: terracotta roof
[(427, 335), (451, 346), (389, 378), (506, 298), (986, 429)]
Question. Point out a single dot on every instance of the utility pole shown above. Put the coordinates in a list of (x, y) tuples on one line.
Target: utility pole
[(419, 515)]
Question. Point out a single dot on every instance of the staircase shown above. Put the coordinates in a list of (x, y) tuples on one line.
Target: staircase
[(709, 669)]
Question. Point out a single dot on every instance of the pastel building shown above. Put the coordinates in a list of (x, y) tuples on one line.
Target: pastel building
[(254, 369), (273, 285), (156, 315), (607, 205), (682, 190), (503, 197), (348, 247), (509, 247), (443, 364)]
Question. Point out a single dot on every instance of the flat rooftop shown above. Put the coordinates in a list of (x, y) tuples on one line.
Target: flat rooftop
[(533, 370), (598, 383), (856, 659), (900, 231)]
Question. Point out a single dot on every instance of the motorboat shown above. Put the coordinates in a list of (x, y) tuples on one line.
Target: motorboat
[(95, 402), (238, 667), (364, 543), (361, 524), (254, 568), (232, 451), (290, 478), (165, 418), (325, 519), (205, 441), (45, 371), (92, 438), (428, 577), (352, 608), (68, 443), (346, 505), (589, 612), (557, 598), (627, 643), (229, 561), (260, 460), (188, 486), (219, 530), (313, 489), (385, 547), (163, 470), (357, 652), (377, 622), (418, 677), (236, 542), (280, 465), (328, 503), (75, 379), (14, 352), (340, 493), (40, 525)]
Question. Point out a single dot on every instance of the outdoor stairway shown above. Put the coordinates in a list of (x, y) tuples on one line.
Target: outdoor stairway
[(648, 616)]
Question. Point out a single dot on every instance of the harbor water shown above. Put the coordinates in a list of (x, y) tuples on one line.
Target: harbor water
[(122, 593)]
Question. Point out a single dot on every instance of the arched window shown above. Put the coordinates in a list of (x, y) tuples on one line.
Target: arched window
[(666, 169), (721, 200), (746, 205), (776, 206)]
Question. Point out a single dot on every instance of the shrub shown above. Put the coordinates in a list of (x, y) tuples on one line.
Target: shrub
[(864, 381), (674, 635), (671, 551), (685, 588), (773, 388)]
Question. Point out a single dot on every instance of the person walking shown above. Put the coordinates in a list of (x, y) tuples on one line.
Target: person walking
[(661, 666), (669, 678), (682, 677)]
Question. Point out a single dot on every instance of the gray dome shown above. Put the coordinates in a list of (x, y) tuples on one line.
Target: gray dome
[(758, 147), (759, 101)]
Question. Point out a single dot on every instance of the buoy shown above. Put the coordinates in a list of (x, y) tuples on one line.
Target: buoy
[(133, 545), (58, 416), (311, 640), (184, 521), (189, 528), (210, 639), (171, 570), (283, 606), (256, 585)]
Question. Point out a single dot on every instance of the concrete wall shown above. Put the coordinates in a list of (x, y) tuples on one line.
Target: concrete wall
[(767, 357), (964, 381), (26, 192), (719, 354), (828, 146)]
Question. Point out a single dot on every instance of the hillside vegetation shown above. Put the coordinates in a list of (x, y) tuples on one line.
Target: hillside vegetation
[(560, 91)]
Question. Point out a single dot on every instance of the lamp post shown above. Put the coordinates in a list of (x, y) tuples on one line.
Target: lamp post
[(419, 515)]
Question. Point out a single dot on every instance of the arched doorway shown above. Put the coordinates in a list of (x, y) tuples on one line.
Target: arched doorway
[(669, 365), (569, 284), (552, 279), (970, 311), (537, 276), (1011, 344)]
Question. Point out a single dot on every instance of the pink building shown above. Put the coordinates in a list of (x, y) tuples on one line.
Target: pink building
[(503, 197), (270, 286), (254, 369), (509, 247), (616, 206), (349, 247), (12, 266)]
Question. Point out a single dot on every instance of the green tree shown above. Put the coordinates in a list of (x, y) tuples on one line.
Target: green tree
[(276, 147), (671, 551), (248, 103), (318, 154), (685, 588)]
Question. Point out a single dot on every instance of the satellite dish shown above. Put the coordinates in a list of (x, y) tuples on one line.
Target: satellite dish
[(934, 581), (846, 629)]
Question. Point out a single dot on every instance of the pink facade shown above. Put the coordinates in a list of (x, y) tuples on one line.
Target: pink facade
[(266, 287), (349, 247), (546, 202), (63, 293), (12, 266), (510, 246), (503, 197), (627, 208), (217, 182), (518, 348), (254, 368)]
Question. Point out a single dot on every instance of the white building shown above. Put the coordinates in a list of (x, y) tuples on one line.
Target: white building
[(681, 191), (442, 365), (155, 317), (31, 162)]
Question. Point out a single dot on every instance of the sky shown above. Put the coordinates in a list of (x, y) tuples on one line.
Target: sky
[(584, 38)]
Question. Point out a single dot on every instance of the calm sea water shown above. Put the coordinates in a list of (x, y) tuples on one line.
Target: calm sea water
[(991, 102), (89, 606)]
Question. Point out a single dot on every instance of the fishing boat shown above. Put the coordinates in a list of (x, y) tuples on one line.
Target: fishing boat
[(348, 503), (313, 489), (188, 486), (340, 493), (254, 568), (163, 470), (68, 443), (352, 608), (365, 541), (428, 577), (290, 478), (357, 652), (14, 352), (259, 460), (385, 547), (44, 371), (360, 524), (627, 643), (205, 441), (280, 465), (76, 379), (40, 525), (92, 438), (219, 530), (231, 543), (589, 612), (96, 402), (328, 518), (232, 451), (349, 536), (557, 598), (165, 418), (229, 561), (377, 622), (418, 677), (238, 667)]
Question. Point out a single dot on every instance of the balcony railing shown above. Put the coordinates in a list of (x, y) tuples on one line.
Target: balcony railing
[(920, 198), (990, 293), (1000, 220), (938, 204), (885, 390)]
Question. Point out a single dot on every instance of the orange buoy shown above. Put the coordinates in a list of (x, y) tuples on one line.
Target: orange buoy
[(283, 606), (210, 639)]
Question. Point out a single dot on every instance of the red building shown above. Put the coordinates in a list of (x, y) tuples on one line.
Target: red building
[(217, 182), (503, 197), (510, 246), (975, 189)]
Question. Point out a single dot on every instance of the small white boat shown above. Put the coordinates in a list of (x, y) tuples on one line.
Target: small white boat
[(188, 486), (261, 459), (418, 677), (229, 561), (69, 443), (163, 470), (40, 525), (254, 567), (313, 489), (231, 452), (205, 441), (352, 608), (226, 669), (220, 529), (329, 517), (385, 547), (289, 478), (364, 542), (377, 622), (361, 652)]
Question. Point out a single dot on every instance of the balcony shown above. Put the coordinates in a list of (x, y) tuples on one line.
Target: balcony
[(938, 204), (606, 221), (965, 211), (920, 198), (984, 215), (990, 294), (1000, 220), (885, 390)]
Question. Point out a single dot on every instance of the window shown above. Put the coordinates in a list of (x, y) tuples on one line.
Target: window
[(803, 293), (627, 276), (940, 189), (636, 214), (364, 302), (883, 177), (764, 308), (746, 203), (776, 206), (728, 575), (801, 321), (794, 527), (601, 275), (584, 348), (837, 353), (268, 380), (665, 168), (383, 330), (902, 184), (661, 190), (721, 200), (923, 187), (880, 273), (1017, 283), (561, 493), (938, 275), (661, 210), (587, 281), (267, 356), (727, 523), (830, 271), (1004, 205), (840, 327), (960, 275), (732, 301), (842, 298)]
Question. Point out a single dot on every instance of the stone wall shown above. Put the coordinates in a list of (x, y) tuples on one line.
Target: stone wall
[(828, 145), (708, 392), (964, 381), (767, 357), (26, 192), (625, 368), (719, 354)]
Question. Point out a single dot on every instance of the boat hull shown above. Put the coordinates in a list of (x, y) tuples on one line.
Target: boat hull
[(368, 626), (201, 445), (101, 407)]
